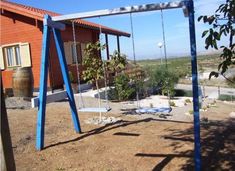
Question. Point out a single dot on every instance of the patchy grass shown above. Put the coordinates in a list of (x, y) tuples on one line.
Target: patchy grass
[(225, 97), (182, 66)]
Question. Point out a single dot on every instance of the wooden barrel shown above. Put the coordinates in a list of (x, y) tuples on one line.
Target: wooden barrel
[(22, 82)]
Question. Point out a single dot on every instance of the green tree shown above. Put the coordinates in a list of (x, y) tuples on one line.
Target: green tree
[(122, 87), (93, 63), (222, 26), (118, 62), (164, 79)]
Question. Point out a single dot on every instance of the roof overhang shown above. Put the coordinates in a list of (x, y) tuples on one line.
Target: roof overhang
[(23, 10)]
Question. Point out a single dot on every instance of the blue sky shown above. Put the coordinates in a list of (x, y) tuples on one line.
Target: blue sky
[(147, 25)]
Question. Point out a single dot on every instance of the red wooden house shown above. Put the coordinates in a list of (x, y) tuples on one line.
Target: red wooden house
[(21, 42)]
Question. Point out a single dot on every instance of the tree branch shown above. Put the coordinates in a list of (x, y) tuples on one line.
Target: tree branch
[(228, 79)]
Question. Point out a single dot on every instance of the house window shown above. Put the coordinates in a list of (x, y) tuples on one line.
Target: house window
[(12, 56), (83, 46), (15, 55), (70, 52), (76, 51)]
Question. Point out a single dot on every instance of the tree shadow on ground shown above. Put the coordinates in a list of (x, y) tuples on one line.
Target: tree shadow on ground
[(109, 127), (167, 158), (217, 147)]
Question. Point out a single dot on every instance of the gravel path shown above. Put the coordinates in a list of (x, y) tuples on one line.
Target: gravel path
[(18, 103), (128, 107), (178, 113)]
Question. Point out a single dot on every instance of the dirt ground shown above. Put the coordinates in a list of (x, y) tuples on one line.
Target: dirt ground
[(134, 143)]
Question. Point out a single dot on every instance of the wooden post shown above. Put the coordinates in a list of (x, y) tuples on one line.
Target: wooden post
[(118, 44), (107, 45), (7, 157)]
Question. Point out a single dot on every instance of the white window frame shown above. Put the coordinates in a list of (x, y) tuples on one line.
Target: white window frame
[(12, 60), (23, 59)]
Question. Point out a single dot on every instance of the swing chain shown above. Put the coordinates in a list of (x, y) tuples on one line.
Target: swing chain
[(76, 59), (105, 74), (133, 51)]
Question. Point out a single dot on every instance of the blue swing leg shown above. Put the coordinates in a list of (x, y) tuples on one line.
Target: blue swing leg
[(43, 83), (43, 88), (197, 145), (64, 69)]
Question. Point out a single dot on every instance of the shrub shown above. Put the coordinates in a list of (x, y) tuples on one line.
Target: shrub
[(183, 93), (172, 103), (138, 85), (225, 97), (117, 63), (164, 79), (122, 87), (204, 108), (190, 112), (187, 101)]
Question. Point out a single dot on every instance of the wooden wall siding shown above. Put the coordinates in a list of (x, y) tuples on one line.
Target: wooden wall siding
[(17, 28)]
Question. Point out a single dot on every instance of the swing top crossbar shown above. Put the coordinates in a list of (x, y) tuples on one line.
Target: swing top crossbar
[(121, 10)]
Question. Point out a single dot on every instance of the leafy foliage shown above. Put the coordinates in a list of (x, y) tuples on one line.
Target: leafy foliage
[(172, 103), (164, 79), (181, 66), (185, 93), (122, 88), (94, 70), (222, 26), (139, 85), (92, 62), (226, 97), (118, 62)]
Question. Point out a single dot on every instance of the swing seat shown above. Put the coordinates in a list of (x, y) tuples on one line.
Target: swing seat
[(154, 110), (94, 109)]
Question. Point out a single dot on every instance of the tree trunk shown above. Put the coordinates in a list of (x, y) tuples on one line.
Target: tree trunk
[(97, 87)]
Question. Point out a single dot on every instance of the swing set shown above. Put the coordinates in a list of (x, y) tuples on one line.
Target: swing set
[(82, 107), (56, 25)]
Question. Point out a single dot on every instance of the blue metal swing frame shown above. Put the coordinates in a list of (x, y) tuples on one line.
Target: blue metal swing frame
[(188, 8), (47, 27)]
